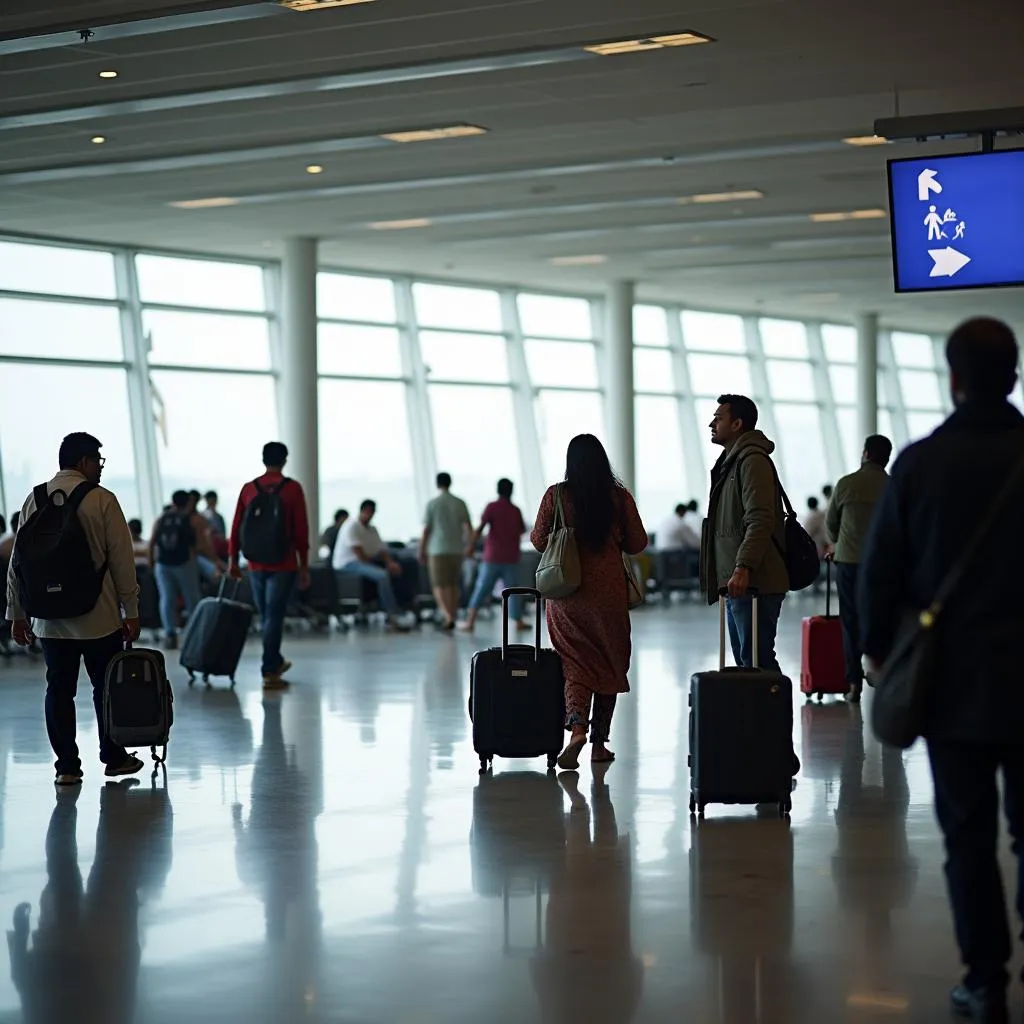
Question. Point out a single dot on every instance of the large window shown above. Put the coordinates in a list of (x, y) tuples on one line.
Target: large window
[(555, 316), (46, 269), (561, 415), (661, 479), (75, 398), (365, 452), (207, 284), (179, 338), (59, 330)]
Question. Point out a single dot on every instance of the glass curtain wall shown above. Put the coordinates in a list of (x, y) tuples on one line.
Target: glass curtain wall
[(170, 360)]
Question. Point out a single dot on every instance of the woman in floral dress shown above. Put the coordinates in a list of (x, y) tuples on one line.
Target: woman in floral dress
[(590, 628)]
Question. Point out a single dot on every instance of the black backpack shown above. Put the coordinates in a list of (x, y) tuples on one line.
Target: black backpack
[(52, 559), (265, 526), (800, 554), (174, 538)]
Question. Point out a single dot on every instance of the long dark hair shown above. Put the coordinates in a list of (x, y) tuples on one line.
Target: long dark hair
[(593, 486)]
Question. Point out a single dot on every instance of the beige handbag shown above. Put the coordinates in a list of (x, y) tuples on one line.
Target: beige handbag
[(558, 572)]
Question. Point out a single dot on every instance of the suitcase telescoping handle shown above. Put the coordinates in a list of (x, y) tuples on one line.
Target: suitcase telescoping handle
[(220, 589), (538, 600), (723, 593), (828, 586)]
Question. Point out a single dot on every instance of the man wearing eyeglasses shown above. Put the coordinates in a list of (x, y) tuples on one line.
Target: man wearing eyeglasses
[(82, 605)]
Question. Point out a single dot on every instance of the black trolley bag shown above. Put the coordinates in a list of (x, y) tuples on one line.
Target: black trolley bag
[(138, 705), (517, 695), (741, 732), (215, 636)]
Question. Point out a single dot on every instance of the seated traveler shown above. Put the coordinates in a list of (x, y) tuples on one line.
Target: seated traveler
[(329, 538), (359, 550), (140, 546), (675, 533)]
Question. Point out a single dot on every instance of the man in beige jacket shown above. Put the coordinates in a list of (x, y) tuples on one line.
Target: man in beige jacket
[(95, 634)]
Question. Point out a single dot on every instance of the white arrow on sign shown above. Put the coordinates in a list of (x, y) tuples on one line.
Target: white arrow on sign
[(926, 183), (947, 261)]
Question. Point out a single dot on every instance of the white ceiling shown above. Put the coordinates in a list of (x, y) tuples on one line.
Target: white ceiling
[(763, 107)]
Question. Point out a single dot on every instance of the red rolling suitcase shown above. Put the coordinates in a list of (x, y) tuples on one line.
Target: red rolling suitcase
[(822, 665)]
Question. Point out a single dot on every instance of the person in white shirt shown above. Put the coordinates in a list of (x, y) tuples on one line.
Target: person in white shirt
[(814, 524), (94, 636), (675, 534), (360, 550)]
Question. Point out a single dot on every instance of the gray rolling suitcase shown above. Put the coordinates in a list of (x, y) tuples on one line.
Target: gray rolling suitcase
[(741, 733), (215, 637)]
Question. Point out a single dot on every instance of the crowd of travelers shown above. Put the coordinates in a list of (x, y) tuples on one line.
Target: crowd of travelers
[(893, 538)]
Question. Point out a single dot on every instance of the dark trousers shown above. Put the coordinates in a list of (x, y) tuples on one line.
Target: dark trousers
[(63, 660), (271, 591), (967, 806), (846, 583)]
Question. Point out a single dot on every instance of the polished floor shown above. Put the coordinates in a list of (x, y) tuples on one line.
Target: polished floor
[(330, 854)]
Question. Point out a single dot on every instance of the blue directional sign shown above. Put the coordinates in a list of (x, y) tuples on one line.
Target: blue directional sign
[(958, 221)]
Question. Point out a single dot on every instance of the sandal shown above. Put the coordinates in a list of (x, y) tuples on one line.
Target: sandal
[(606, 758), (570, 757)]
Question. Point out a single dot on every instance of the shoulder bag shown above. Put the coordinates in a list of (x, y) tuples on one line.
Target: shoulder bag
[(634, 588), (558, 572), (901, 692)]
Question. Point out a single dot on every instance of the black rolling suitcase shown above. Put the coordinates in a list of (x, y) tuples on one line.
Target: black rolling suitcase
[(138, 706), (517, 696), (741, 733), (215, 637)]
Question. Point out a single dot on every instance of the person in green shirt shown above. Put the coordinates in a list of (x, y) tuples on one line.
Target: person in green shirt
[(446, 526), (847, 522)]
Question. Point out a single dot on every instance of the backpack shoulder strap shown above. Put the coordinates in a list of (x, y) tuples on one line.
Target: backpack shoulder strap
[(787, 506), (41, 496), (77, 496), (259, 490)]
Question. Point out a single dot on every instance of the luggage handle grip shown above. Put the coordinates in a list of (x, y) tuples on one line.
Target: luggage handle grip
[(723, 593), (524, 592)]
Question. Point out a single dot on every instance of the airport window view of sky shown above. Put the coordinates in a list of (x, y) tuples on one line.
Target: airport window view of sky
[(149, 373)]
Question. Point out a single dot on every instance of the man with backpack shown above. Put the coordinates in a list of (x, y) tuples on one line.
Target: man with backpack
[(271, 529), (71, 583), (172, 553)]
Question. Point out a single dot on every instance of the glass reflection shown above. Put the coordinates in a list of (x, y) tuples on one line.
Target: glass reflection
[(82, 961)]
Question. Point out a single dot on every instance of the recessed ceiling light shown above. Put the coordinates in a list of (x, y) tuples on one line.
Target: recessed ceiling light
[(617, 46), (314, 169), (401, 225), (866, 140), (455, 131), (831, 218), (577, 261), (721, 197), (108, 74), (204, 204), (98, 140), (316, 5)]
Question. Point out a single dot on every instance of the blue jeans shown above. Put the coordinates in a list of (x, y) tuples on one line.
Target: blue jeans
[(380, 576), (741, 629), (488, 576), (270, 592), (174, 581)]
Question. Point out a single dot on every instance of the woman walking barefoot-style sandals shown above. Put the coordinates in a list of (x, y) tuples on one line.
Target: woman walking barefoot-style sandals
[(569, 759)]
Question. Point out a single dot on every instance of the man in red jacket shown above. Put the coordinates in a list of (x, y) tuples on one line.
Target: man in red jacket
[(271, 530)]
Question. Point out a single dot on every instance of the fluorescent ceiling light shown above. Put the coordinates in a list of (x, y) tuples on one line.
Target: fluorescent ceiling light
[(831, 218), (314, 169), (108, 74), (866, 140), (617, 46), (316, 5), (98, 140), (204, 204), (577, 261), (723, 197), (401, 225), (455, 131)]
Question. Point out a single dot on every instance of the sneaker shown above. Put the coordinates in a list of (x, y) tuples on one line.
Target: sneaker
[(396, 626), (285, 665), (131, 765), (272, 681), (68, 779)]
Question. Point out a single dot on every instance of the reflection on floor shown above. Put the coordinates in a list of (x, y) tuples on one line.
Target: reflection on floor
[(332, 855)]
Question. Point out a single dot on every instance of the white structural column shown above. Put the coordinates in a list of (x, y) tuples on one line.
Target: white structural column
[(618, 380), (867, 374), (297, 381)]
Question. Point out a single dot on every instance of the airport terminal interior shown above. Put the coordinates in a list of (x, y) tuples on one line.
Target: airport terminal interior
[(412, 236)]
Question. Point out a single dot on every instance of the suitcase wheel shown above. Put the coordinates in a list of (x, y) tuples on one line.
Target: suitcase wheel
[(552, 762), (693, 805), (785, 806), (206, 678), (809, 697), (821, 697), (232, 682), (485, 764), (191, 677)]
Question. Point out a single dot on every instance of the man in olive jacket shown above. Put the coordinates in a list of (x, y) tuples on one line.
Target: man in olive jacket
[(744, 533)]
